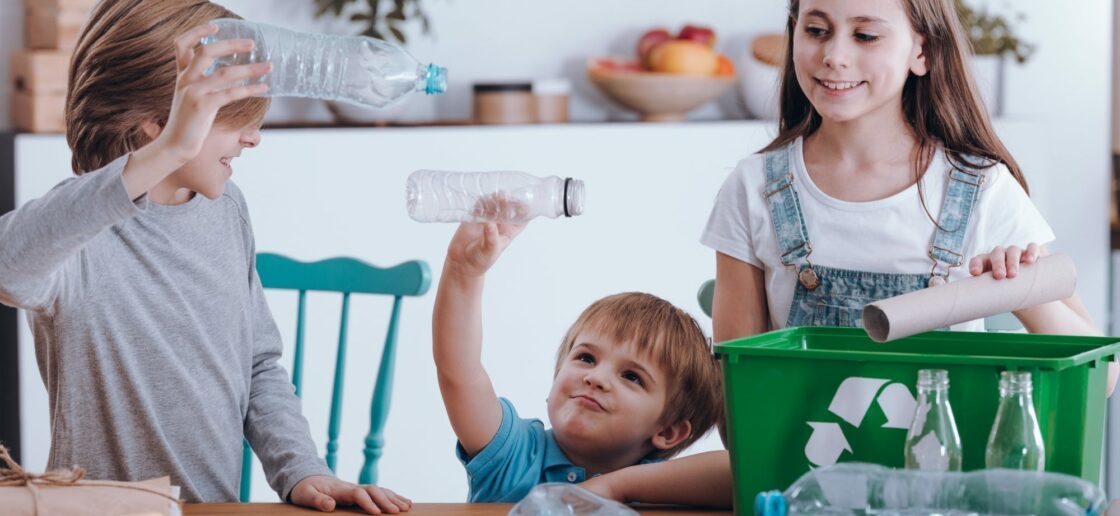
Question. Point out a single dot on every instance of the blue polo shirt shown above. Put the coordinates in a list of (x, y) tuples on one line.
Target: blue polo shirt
[(521, 455)]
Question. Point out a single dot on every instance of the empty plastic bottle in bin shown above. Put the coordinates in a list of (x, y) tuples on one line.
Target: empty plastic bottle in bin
[(356, 69), (933, 444), (1015, 441), (515, 197), (557, 499), (856, 488)]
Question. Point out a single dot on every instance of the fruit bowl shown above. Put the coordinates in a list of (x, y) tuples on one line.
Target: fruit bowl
[(657, 97)]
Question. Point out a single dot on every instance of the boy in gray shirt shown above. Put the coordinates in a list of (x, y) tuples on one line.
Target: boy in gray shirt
[(151, 330)]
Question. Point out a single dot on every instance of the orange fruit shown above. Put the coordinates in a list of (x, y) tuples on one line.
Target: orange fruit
[(683, 57), (725, 67)]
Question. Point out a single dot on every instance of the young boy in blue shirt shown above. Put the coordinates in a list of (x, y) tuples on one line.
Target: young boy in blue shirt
[(635, 382)]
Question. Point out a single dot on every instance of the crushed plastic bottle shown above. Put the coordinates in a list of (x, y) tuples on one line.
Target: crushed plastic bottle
[(857, 489), (558, 499)]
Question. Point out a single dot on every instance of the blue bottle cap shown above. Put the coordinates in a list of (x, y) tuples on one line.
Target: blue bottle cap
[(770, 503), (437, 80)]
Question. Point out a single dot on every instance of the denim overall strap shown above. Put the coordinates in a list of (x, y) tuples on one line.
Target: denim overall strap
[(785, 207), (961, 193)]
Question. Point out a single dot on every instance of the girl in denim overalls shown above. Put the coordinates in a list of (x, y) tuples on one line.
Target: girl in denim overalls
[(885, 177)]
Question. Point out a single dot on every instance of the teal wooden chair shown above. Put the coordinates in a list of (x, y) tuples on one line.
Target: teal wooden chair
[(346, 276), (1002, 322)]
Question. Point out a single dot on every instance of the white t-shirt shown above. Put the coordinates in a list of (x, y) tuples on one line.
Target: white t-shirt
[(890, 235)]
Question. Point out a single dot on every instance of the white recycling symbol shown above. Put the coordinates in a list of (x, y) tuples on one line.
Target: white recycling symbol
[(851, 402)]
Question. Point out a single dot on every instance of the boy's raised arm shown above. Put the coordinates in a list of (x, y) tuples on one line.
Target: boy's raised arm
[(472, 406)]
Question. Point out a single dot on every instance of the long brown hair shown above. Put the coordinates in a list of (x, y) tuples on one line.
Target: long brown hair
[(123, 73), (941, 107)]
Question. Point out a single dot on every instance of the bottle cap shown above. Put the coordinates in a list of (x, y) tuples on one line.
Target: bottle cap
[(573, 197), (770, 503), (437, 80)]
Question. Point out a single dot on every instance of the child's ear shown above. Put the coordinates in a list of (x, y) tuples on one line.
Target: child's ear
[(918, 64), (151, 129), (672, 435)]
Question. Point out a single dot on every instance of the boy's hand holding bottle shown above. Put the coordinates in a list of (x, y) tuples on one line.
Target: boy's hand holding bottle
[(476, 247)]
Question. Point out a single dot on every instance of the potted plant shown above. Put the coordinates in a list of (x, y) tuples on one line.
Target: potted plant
[(993, 39), (381, 19)]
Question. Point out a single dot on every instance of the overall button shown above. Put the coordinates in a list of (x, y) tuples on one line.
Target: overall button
[(572, 476)]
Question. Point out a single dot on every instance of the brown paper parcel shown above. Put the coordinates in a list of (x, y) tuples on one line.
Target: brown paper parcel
[(62, 492), (1049, 279)]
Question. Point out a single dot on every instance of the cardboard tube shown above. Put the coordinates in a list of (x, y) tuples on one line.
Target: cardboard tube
[(1049, 279)]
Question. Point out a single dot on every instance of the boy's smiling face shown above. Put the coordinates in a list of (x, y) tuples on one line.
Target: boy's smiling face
[(607, 399), (208, 172)]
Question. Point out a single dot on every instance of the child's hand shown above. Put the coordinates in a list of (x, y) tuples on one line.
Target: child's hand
[(1005, 262), (199, 97), (475, 247), (325, 493)]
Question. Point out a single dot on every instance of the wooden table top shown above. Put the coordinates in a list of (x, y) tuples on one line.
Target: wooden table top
[(418, 509)]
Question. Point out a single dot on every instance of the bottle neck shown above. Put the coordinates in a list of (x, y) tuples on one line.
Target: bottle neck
[(934, 395)]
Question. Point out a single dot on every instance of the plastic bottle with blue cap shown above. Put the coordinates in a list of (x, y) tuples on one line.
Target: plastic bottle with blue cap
[(355, 69)]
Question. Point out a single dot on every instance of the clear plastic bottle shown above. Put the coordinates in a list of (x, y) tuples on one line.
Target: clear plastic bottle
[(1015, 441), (856, 488), (516, 197), (933, 443), (355, 69)]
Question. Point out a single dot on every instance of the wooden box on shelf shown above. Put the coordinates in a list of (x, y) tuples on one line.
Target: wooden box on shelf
[(40, 71), (38, 113), (39, 90), (54, 24)]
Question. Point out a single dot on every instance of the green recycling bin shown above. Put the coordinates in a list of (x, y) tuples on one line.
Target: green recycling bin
[(804, 397)]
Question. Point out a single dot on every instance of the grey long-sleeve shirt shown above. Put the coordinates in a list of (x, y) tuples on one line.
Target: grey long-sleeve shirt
[(153, 337)]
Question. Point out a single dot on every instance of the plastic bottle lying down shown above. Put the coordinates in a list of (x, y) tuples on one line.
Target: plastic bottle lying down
[(856, 488)]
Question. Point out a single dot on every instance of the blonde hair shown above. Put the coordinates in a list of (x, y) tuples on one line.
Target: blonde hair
[(123, 73), (673, 338)]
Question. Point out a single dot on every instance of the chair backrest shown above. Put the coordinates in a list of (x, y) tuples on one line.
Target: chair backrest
[(1001, 322), (346, 276), (705, 294)]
